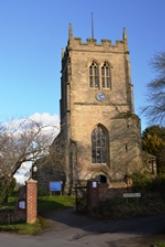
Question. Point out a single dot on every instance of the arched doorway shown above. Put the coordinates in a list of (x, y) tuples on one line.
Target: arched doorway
[(101, 178)]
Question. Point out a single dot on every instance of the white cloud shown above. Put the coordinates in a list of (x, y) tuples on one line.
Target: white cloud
[(48, 121)]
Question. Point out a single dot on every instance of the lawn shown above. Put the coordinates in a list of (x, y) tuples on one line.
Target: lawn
[(55, 202), (160, 244), (23, 228)]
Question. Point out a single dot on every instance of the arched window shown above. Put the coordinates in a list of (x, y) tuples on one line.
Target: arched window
[(99, 145), (94, 75), (106, 76)]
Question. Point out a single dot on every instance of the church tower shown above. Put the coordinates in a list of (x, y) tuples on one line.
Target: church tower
[(100, 133)]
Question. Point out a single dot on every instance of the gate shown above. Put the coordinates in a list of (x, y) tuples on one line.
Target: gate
[(81, 196)]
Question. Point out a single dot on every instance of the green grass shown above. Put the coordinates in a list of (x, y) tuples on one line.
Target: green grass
[(46, 203), (54, 202), (160, 244), (23, 228)]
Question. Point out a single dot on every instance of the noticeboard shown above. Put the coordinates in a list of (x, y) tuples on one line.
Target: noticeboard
[(22, 204), (94, 184), (55, 186)]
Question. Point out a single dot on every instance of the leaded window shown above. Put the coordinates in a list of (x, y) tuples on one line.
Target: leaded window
[(106, 76), (99, 145), (94, 75)]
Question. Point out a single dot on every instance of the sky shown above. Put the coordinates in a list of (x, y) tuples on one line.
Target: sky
[(33, 32)]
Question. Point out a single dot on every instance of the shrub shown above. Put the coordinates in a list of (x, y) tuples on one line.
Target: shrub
[(146, 183), (118, 207), (142, 182), (159, 183)]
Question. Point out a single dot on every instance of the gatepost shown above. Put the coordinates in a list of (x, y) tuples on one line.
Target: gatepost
[(31, 201), (92, 194)]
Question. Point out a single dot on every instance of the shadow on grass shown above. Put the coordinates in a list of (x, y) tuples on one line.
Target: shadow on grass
[(52, 203)]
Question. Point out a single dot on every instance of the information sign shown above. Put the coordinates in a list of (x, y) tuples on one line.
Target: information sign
[(55, 186), (132, 195)]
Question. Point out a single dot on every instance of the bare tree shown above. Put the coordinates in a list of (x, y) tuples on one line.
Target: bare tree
[(24, 143), (155, 110)]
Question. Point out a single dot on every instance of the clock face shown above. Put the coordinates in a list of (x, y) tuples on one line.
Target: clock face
[(100, 96)]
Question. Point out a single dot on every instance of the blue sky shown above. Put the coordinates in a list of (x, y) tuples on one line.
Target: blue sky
[(33, 32)]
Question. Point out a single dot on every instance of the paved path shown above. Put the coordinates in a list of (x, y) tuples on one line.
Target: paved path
[(69, 229)]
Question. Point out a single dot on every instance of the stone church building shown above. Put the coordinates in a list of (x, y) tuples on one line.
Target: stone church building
[(100, 132)]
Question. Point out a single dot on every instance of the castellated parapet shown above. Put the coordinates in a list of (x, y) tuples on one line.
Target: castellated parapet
[(120, 46)]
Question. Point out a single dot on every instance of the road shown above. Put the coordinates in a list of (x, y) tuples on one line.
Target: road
[(69, 229)]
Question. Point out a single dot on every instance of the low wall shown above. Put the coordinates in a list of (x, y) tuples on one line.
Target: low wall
[(12, 216), (98, 192), (116, 189)]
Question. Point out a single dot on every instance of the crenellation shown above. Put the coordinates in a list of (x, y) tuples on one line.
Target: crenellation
[(91, 41), (78, 39), (102, 46), (119, 42), (106, 42)]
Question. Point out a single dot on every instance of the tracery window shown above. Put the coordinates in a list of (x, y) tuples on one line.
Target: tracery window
[(106, 76), (94, 75), (99, 145)]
